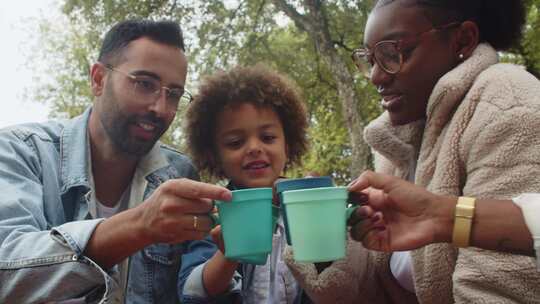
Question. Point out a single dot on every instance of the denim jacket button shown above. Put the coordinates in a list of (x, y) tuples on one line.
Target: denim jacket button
[(74, 257)]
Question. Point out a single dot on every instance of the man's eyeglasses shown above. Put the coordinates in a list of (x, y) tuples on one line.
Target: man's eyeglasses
[(149, 89), (388, 54)]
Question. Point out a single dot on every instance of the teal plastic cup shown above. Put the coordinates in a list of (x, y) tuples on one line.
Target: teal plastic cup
[(297, 184), (317, 223), (260, 259), (246, 223)]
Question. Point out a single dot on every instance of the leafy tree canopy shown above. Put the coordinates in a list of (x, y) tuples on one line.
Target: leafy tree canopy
[(308, 40)]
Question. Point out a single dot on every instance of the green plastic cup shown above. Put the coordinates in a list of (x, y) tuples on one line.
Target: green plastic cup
[(317, 223), (260, 259), (246, 222), (297, 184)]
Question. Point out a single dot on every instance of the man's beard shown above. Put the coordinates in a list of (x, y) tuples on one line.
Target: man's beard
[(117, 124)]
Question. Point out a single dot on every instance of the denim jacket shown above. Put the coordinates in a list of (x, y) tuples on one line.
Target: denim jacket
[(45, 222)]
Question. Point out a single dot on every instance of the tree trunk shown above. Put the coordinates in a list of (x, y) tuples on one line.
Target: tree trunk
[(315, 24)]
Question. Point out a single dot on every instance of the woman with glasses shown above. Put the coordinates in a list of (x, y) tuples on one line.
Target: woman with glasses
[(456, 122)]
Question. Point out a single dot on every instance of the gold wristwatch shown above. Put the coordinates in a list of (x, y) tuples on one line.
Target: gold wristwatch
[(463, 221)]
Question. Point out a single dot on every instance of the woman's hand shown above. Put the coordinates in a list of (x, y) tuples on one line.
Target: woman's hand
[(398, 215)]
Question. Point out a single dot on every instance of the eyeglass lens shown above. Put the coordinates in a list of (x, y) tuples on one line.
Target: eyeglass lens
[(385, 53), (388, 56), (146, 86)]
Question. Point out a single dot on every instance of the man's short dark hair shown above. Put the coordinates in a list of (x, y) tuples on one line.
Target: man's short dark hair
[(120, 35)]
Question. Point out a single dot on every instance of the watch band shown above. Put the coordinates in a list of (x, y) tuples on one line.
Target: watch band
[(463, 221)]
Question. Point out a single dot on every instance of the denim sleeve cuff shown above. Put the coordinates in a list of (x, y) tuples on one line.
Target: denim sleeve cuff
[(76, 234), (530, 207), (194, 286)]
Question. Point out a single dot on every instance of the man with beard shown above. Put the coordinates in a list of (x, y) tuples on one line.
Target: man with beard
[(95, 208)]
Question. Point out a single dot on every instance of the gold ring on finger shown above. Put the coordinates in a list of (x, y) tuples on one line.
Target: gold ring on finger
[(195, 222)]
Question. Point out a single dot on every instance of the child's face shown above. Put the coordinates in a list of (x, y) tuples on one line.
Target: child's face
[(251, 145)]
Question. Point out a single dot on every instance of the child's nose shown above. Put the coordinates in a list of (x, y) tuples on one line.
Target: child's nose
[(254, 147)]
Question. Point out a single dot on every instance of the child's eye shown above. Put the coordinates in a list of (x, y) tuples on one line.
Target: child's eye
[(269, 138), (233, 144)]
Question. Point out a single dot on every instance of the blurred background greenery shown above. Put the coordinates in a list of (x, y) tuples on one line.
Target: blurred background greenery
[(309, 40)]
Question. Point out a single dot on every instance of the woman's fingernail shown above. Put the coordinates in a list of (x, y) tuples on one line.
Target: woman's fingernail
[(358, 197)]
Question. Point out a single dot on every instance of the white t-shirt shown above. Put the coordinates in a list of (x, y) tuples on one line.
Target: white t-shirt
[(530, 207), (106, 212), (401, 268), (103, 211), (273, 282)]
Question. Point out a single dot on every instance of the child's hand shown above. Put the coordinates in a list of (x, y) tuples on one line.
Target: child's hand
[(217, 237)]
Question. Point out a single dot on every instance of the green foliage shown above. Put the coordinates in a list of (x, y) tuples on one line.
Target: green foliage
[(221, 34), (67, 92), (530, 48), (218, 35), (528, 52)]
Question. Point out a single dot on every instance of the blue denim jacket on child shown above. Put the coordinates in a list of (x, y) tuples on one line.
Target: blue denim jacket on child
[(45, 222)]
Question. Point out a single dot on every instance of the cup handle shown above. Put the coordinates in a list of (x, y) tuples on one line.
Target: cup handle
[(354, 201), (215, 219), (350, 211)]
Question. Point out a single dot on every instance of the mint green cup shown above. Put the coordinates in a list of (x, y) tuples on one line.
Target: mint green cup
[(260, 259), (317, 223), (246, 223)]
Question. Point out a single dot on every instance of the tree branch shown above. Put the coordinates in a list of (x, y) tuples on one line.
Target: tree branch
[(258, 16), (301, 21), (173, 7)]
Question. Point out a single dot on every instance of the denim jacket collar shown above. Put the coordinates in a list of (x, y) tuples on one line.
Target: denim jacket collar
[(73, 143), (74, 149)]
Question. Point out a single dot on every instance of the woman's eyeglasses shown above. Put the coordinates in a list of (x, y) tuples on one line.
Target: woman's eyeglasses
[(388, 54)]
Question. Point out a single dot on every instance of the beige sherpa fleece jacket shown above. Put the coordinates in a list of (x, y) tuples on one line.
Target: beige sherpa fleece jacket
[(481, 139)]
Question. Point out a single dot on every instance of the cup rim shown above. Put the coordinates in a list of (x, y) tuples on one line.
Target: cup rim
[(303, 183), (342, 193), (249, 194)]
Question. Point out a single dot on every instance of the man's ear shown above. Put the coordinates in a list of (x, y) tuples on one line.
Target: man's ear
[(97, 78), (466, 40)]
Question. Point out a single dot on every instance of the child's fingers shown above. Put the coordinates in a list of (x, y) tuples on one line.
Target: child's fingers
[(215, 233), (217, 237)]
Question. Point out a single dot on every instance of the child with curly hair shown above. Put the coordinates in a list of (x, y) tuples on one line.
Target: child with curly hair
[(245, 125)]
